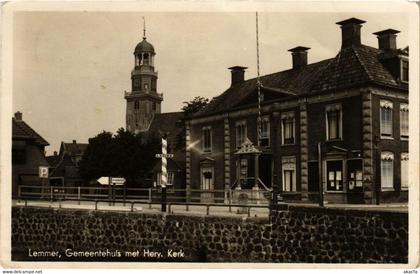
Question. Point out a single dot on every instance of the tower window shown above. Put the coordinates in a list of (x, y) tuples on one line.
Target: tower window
[(146, 59), (136, 105), (146, 86)]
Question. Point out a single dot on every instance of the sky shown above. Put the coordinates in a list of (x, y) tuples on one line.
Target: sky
[(70, 69)]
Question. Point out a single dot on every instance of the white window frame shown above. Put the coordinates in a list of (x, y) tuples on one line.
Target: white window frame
[(288, 163), (329, 108), (237, 125), (210, 148), (387, 104), (403, 109), (404, 158), (387, 156), (285, 116), (265, 119)]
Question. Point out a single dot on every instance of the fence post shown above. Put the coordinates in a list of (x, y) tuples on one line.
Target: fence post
[(230, 200), (132, 206), (124, 194), (150, 197), (78, 195), (51, 193), (19, 192), (96, 205), (249, 211), (207, 209)]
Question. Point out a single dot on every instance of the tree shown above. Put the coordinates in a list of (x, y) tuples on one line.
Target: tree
[(189, 109), (124, 154)]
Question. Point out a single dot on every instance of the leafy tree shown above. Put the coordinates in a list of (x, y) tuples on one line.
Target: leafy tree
[(124, 154), (189, 109)]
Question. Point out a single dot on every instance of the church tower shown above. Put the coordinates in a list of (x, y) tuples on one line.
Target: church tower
[(143, 102)]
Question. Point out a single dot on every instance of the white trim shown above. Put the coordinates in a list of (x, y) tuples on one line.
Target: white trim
[(334, 107)]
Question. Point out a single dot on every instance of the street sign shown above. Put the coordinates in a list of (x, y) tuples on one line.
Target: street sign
[(43, 172), (114, 180), (164, 155)]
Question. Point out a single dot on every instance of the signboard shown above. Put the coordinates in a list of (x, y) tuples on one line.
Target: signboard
[(164, 155), (113, 180), (43, 172)]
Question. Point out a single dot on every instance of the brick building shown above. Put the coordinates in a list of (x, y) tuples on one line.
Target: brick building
[(28, 154), (355, 105), (65, 165)]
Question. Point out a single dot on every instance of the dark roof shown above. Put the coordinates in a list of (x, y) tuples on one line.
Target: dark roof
[(295, 81), (355, 65), (144, 46), (21, 130), (53, 160), (73, 148), (170, 122)]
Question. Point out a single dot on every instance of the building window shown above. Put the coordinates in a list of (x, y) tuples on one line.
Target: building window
[(289, 173), (386, 118), (136, 104), (387, 170), (206, 131), (154, 106), (170, 178), (334, 121), (404, 70), (404, 170), (404, 121), (265, 132), (335, 175), (240, 133), (146, 86), (146, 59), (288, 128)]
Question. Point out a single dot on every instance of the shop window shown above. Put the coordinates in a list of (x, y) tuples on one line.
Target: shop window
[(386, 118), (387, 170), (335, 175), (404, 170), (404, 121), (289, 173), (288, 128), (334, 121)]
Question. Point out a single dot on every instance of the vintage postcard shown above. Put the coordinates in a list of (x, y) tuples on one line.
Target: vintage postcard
[(222, 134)]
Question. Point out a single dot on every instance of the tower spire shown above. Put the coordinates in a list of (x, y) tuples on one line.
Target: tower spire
[(144, 28)]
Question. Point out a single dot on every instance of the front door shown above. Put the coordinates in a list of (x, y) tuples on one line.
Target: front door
[(207, 184)]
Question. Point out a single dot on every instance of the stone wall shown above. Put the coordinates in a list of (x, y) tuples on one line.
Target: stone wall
[(296, 235)]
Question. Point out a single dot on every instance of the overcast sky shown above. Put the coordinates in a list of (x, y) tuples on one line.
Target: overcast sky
[(71, 68)]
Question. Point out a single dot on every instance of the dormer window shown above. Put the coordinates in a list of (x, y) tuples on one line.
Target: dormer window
[(146, 59), (404, 70)]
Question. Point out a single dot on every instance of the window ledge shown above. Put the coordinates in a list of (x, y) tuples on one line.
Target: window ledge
[(404, 189), (387, 138), (335, 191), (387, 189), (334, 140), (404, 138), (285, 145)]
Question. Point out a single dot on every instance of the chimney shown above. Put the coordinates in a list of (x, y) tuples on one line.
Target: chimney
[(18, 116), (350, 32), (238, 74), (387, 39), (299, 56), (74, 141)]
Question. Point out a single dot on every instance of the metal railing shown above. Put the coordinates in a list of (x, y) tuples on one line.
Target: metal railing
[(243, 199)]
